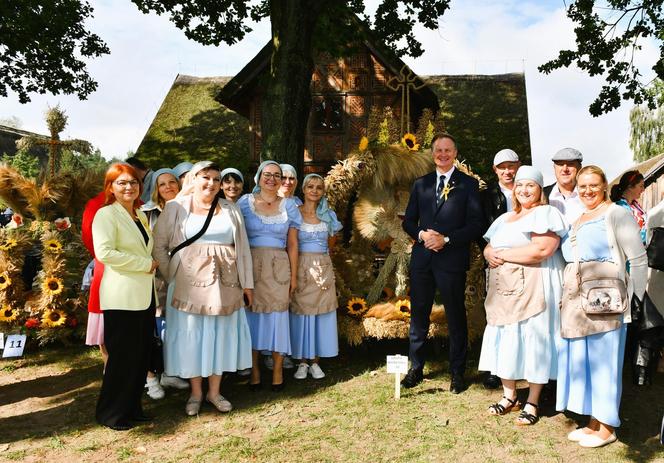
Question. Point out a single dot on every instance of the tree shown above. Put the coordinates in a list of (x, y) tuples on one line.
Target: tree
[(646, 138), (300, 29), (27, 164), (41, 46), (607, 40)]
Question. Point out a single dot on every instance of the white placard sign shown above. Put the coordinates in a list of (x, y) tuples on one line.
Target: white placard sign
[(2, 341), (397, 364), (14, 345)]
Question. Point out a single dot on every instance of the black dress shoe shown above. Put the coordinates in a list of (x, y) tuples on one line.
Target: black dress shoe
[(412, 378), (254, 387), (278, 387), (142, 417), (120, 426), (458, 384), (492, 382)]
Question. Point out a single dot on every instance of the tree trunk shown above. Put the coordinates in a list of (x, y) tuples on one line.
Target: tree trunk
[(287, 99)]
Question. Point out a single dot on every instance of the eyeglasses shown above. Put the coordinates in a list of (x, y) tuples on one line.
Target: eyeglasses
[(269, 175), (595, 187), (126, 183)]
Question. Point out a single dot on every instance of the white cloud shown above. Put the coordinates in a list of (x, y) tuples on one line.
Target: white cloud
[(482, 36)]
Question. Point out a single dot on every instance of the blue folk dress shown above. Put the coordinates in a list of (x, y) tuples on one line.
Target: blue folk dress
[(203, 345), (315, 335), (270, 331), (527, 349), (590, 367)]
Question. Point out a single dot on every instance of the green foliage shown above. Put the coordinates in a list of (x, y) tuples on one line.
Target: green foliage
[(607, 39), (73, 162), (27, 164), (384, 134), (41, 46), (646, 137)]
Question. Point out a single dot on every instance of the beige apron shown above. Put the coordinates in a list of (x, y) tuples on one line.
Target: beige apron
[(515, 293), (207, 281), (271, 279), (315, 293)]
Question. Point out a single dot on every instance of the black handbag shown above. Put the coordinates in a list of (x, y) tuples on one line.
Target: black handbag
[(655, 249), (645, 315)]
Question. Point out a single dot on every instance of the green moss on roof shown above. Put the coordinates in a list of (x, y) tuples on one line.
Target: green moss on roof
[(192, 126), (485, 114)]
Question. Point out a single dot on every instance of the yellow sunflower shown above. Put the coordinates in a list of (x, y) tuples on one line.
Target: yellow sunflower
[(5, 281), (410, 141), (364, 144), (403, 306), (52, 286), (7, 314), (8, 243), (54, 317), (52, 245), (356, 306)]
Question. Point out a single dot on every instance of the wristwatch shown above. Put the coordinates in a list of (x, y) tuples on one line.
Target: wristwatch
[(446, 239)]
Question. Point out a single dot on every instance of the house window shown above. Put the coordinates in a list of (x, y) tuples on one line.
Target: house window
[(328, 113)]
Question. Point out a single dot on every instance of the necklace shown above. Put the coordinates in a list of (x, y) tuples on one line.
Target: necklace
[(596, 208), (269, 203)]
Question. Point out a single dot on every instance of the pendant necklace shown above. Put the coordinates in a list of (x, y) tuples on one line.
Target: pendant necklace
[(269, 203)]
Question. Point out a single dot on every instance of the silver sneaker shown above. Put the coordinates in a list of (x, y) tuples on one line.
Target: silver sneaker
[(302, 371), (155, 391), (174, 382), (316, 372), (221, 404)]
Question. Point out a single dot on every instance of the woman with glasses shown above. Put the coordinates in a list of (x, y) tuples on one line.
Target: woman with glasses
[(272, 225), (123, 243), (592, 348), (313, 319), (289, 183), (209, 272)]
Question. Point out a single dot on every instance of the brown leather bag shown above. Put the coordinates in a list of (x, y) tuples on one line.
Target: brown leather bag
[(514, 293)]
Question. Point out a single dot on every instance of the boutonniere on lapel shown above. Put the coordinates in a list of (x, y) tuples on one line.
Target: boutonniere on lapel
[(447, 189)]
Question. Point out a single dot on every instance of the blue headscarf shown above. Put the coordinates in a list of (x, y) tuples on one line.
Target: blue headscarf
[(288, 168), (323, 211), (232, 170), (182, 168), (150, 204), (257, 177)]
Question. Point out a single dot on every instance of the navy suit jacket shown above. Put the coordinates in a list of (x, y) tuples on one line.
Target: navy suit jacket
[(460, 218)]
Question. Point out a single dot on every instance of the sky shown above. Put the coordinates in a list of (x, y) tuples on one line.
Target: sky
[(478, 37)]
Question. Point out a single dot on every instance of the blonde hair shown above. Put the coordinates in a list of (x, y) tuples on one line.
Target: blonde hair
[(597, 171), (542, 201), (156, 198)]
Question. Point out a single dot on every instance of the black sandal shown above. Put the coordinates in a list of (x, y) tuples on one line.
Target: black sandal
[(525, 418), (499, 409)]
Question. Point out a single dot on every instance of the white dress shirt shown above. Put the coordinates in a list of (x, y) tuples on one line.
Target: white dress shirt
[(571, 207)]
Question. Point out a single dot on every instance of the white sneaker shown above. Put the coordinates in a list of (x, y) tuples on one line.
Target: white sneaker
[(155, 391), (302, 370), (288, 362), (269, 362), (316, 372), (174, 381)]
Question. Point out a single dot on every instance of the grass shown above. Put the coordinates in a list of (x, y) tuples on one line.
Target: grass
[(47, 414)]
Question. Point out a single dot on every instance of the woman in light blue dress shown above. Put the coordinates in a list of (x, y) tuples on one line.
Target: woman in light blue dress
[(272, 224), (313, 319), (590, 366), (523, 346), (207, 333)]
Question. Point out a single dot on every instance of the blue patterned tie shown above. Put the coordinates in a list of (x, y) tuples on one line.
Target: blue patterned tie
[(439, 190)]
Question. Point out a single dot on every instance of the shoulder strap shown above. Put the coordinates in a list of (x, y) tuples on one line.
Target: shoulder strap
[(200, 232)]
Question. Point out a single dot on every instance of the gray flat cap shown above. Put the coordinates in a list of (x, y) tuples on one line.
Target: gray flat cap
[(568, 154)]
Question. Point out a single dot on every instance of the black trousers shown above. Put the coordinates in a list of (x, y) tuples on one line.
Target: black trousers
[(127, 337), (452, 288)]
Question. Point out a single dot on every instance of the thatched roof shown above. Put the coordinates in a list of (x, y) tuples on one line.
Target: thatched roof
[(485, 113), (9, 136), (191, 125), (651, 169)]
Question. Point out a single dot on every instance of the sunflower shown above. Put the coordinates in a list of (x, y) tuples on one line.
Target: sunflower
[(403, 306), (410, 141), (364, 144), (7, 244), (52, 245), (7, 314), (54, 317), (52, 286), (356, 306), (5, 281)]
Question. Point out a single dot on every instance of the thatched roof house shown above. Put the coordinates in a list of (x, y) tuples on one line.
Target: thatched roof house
[(9, 136)]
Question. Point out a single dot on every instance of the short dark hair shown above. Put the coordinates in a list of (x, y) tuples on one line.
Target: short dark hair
[(232, 175), (136, 163), (443, 135)]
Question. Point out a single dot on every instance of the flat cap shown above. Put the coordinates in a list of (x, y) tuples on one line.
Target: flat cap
[(568, 154), (506, 155)]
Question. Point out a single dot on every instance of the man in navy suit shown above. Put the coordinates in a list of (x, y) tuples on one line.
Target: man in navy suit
[(444, 216)]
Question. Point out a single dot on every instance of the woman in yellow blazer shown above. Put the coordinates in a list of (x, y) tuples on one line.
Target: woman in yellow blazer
[(123, 243)]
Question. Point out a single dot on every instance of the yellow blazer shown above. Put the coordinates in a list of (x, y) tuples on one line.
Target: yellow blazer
[(119, 245)]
